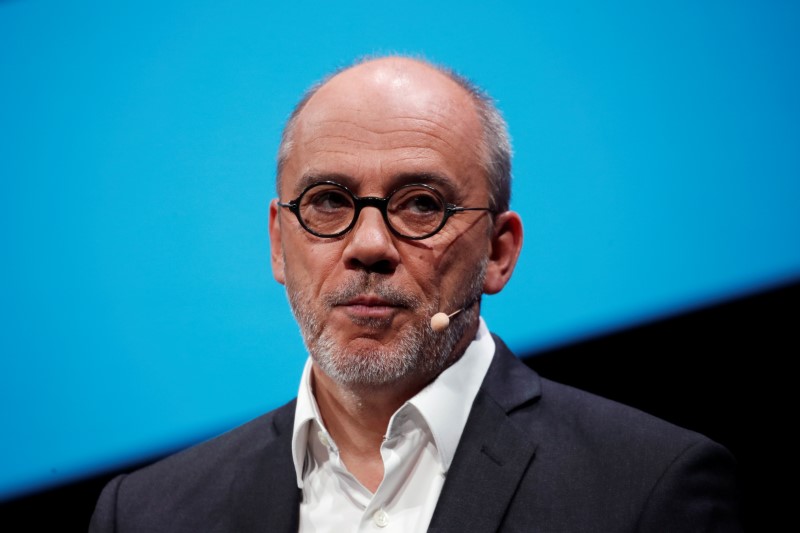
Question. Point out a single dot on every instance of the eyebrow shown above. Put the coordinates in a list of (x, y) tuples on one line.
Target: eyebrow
[(441, 183), (306, 180)]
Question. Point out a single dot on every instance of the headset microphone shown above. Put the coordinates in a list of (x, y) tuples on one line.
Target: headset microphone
[(440, 321)]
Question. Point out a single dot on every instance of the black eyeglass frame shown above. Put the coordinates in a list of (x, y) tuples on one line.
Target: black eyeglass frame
[(382, 204)]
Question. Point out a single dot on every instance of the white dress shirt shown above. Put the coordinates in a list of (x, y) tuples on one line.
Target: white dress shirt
[(417, 451)]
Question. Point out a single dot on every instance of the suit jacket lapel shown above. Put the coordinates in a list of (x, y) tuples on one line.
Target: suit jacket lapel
[(493, 453), (265, 496)]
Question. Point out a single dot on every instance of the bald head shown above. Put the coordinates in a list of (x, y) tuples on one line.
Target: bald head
[(403, 86)]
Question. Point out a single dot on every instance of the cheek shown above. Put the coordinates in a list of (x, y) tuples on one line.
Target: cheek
[(310, 266), (457, 265), (431, 270)]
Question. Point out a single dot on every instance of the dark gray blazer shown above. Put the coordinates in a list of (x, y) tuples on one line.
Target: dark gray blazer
[(535, 456)]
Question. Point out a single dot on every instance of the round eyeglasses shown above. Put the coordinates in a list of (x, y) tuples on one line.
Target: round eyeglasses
[(415, 211)]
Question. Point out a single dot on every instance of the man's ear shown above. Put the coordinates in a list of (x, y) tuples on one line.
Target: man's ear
[(505, 245), (276, 250)]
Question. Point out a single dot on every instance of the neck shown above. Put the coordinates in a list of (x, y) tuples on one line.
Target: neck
[(357, 416), (357, 419)]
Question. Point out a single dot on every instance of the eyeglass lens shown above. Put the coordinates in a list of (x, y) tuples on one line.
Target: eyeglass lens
[(412, 211)]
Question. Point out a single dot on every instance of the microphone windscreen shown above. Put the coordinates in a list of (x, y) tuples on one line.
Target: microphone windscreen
[(439, 322)]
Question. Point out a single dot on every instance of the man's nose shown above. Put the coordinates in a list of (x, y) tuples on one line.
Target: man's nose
[(370, 244)]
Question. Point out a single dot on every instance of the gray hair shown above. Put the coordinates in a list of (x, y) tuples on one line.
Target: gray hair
[(496, 142)]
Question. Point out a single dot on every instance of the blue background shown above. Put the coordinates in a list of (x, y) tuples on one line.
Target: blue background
[(657, 169)]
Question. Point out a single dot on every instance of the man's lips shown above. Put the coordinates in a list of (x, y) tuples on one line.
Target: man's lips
[(370, 306)]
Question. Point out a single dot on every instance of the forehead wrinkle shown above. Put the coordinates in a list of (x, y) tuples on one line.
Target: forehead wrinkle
[(390, 145), (380, 127), (322, 137), (425, 133), (342, 144), (384, 125), (432, 122)]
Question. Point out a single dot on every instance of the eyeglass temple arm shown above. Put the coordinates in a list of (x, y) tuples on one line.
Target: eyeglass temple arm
[(458, 209)]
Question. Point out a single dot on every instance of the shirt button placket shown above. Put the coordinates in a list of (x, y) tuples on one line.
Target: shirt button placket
[(381, 518)]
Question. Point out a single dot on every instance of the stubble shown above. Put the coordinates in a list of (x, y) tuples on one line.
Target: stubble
[(417, 352)]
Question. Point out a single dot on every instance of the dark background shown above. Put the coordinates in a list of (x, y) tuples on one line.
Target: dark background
[(723, 370)]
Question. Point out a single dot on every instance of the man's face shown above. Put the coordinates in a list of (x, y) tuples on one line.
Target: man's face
[(364, 300)]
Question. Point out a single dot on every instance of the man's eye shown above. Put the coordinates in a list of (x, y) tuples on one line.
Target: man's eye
[(422, 204), (330, 200)]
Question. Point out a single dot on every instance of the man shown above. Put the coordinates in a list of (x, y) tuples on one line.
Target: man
[(393, 185)]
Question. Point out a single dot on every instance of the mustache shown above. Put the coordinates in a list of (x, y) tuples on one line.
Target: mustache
[(364, 284)]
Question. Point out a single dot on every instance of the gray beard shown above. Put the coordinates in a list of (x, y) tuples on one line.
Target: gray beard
[(418, 352)]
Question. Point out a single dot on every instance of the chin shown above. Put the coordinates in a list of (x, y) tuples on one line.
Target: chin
[(365, 361), (416, 354)]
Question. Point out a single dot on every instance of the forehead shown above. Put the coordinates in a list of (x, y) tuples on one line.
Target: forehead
[(376, 124)]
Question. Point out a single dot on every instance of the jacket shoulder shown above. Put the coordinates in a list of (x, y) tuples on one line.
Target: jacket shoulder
[(201, 487), (548, 408), (215, 455), (600, 465)]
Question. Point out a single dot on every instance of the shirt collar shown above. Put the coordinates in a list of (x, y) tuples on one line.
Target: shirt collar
[(305, 413), (444, 404)]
